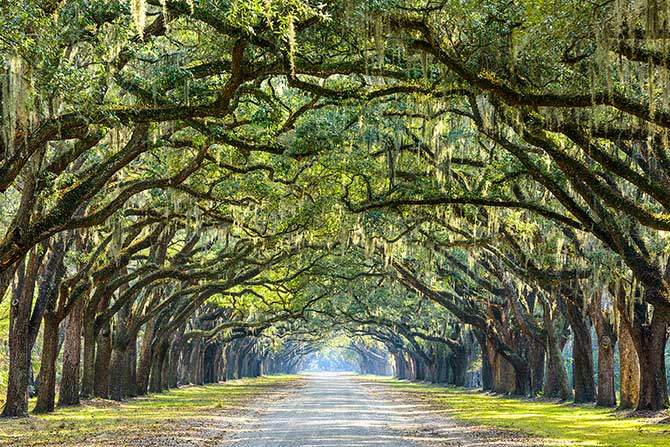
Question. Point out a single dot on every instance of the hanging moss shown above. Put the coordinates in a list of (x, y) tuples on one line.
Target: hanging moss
[(138, 11)]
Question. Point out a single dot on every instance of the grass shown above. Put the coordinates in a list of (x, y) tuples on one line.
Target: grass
[(579, 425), (186, 414)]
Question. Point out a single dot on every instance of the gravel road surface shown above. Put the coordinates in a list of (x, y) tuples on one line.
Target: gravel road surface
[(340, 410)]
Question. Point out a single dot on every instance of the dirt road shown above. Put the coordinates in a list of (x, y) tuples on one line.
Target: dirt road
[(337, 410)]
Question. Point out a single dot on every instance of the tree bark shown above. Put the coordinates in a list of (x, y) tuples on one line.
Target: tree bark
[(69, 386), (195, 361), (103, 357), (537, 367), (502, 373), (458, 363), (176, 348), (651, 341), (157, 361), (46, 308), (118, 382), (46, 396), (16, 404), (132, 366), (487, 372), (629, 369), (582, 354), (118, 365), (88, 378), (165, 368), (606, 384), (144, 366), (607, 338), (557, 383)]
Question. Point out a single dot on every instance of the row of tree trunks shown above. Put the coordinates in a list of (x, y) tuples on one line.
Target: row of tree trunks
[(450, 369), (500, 376), (513, 363), (110, 345), (404, 366), (115, 370)]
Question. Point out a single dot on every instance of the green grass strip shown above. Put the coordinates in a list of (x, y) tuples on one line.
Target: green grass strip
[(580, 425)]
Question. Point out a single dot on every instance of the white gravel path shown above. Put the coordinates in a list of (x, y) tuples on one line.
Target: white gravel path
[(336, 410), (331, 410)]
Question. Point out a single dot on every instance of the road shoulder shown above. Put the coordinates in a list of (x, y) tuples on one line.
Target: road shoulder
[(428, 425)]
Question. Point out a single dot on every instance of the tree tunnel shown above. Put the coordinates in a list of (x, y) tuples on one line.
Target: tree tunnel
[(469, 193)]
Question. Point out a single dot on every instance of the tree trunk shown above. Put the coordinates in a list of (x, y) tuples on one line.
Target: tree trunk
[(629, 369), (118, 382), (400, 366), (131, 362), (45, 308), (103, 357), (165, 368), (502, 373), (442, 369), (185, 363), (117, 363), (69, 385), (557, 383), (582, 355), (195, 361), (158, 358), (606, 385), (602, 317), (582, 364), (46, 395), (487, 372), (16, 404), (144, 366), (650, 344), (537, 367), (88, 378), (209, 363), (6, 276), (176, 347), (458, 362), (232, 363)]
